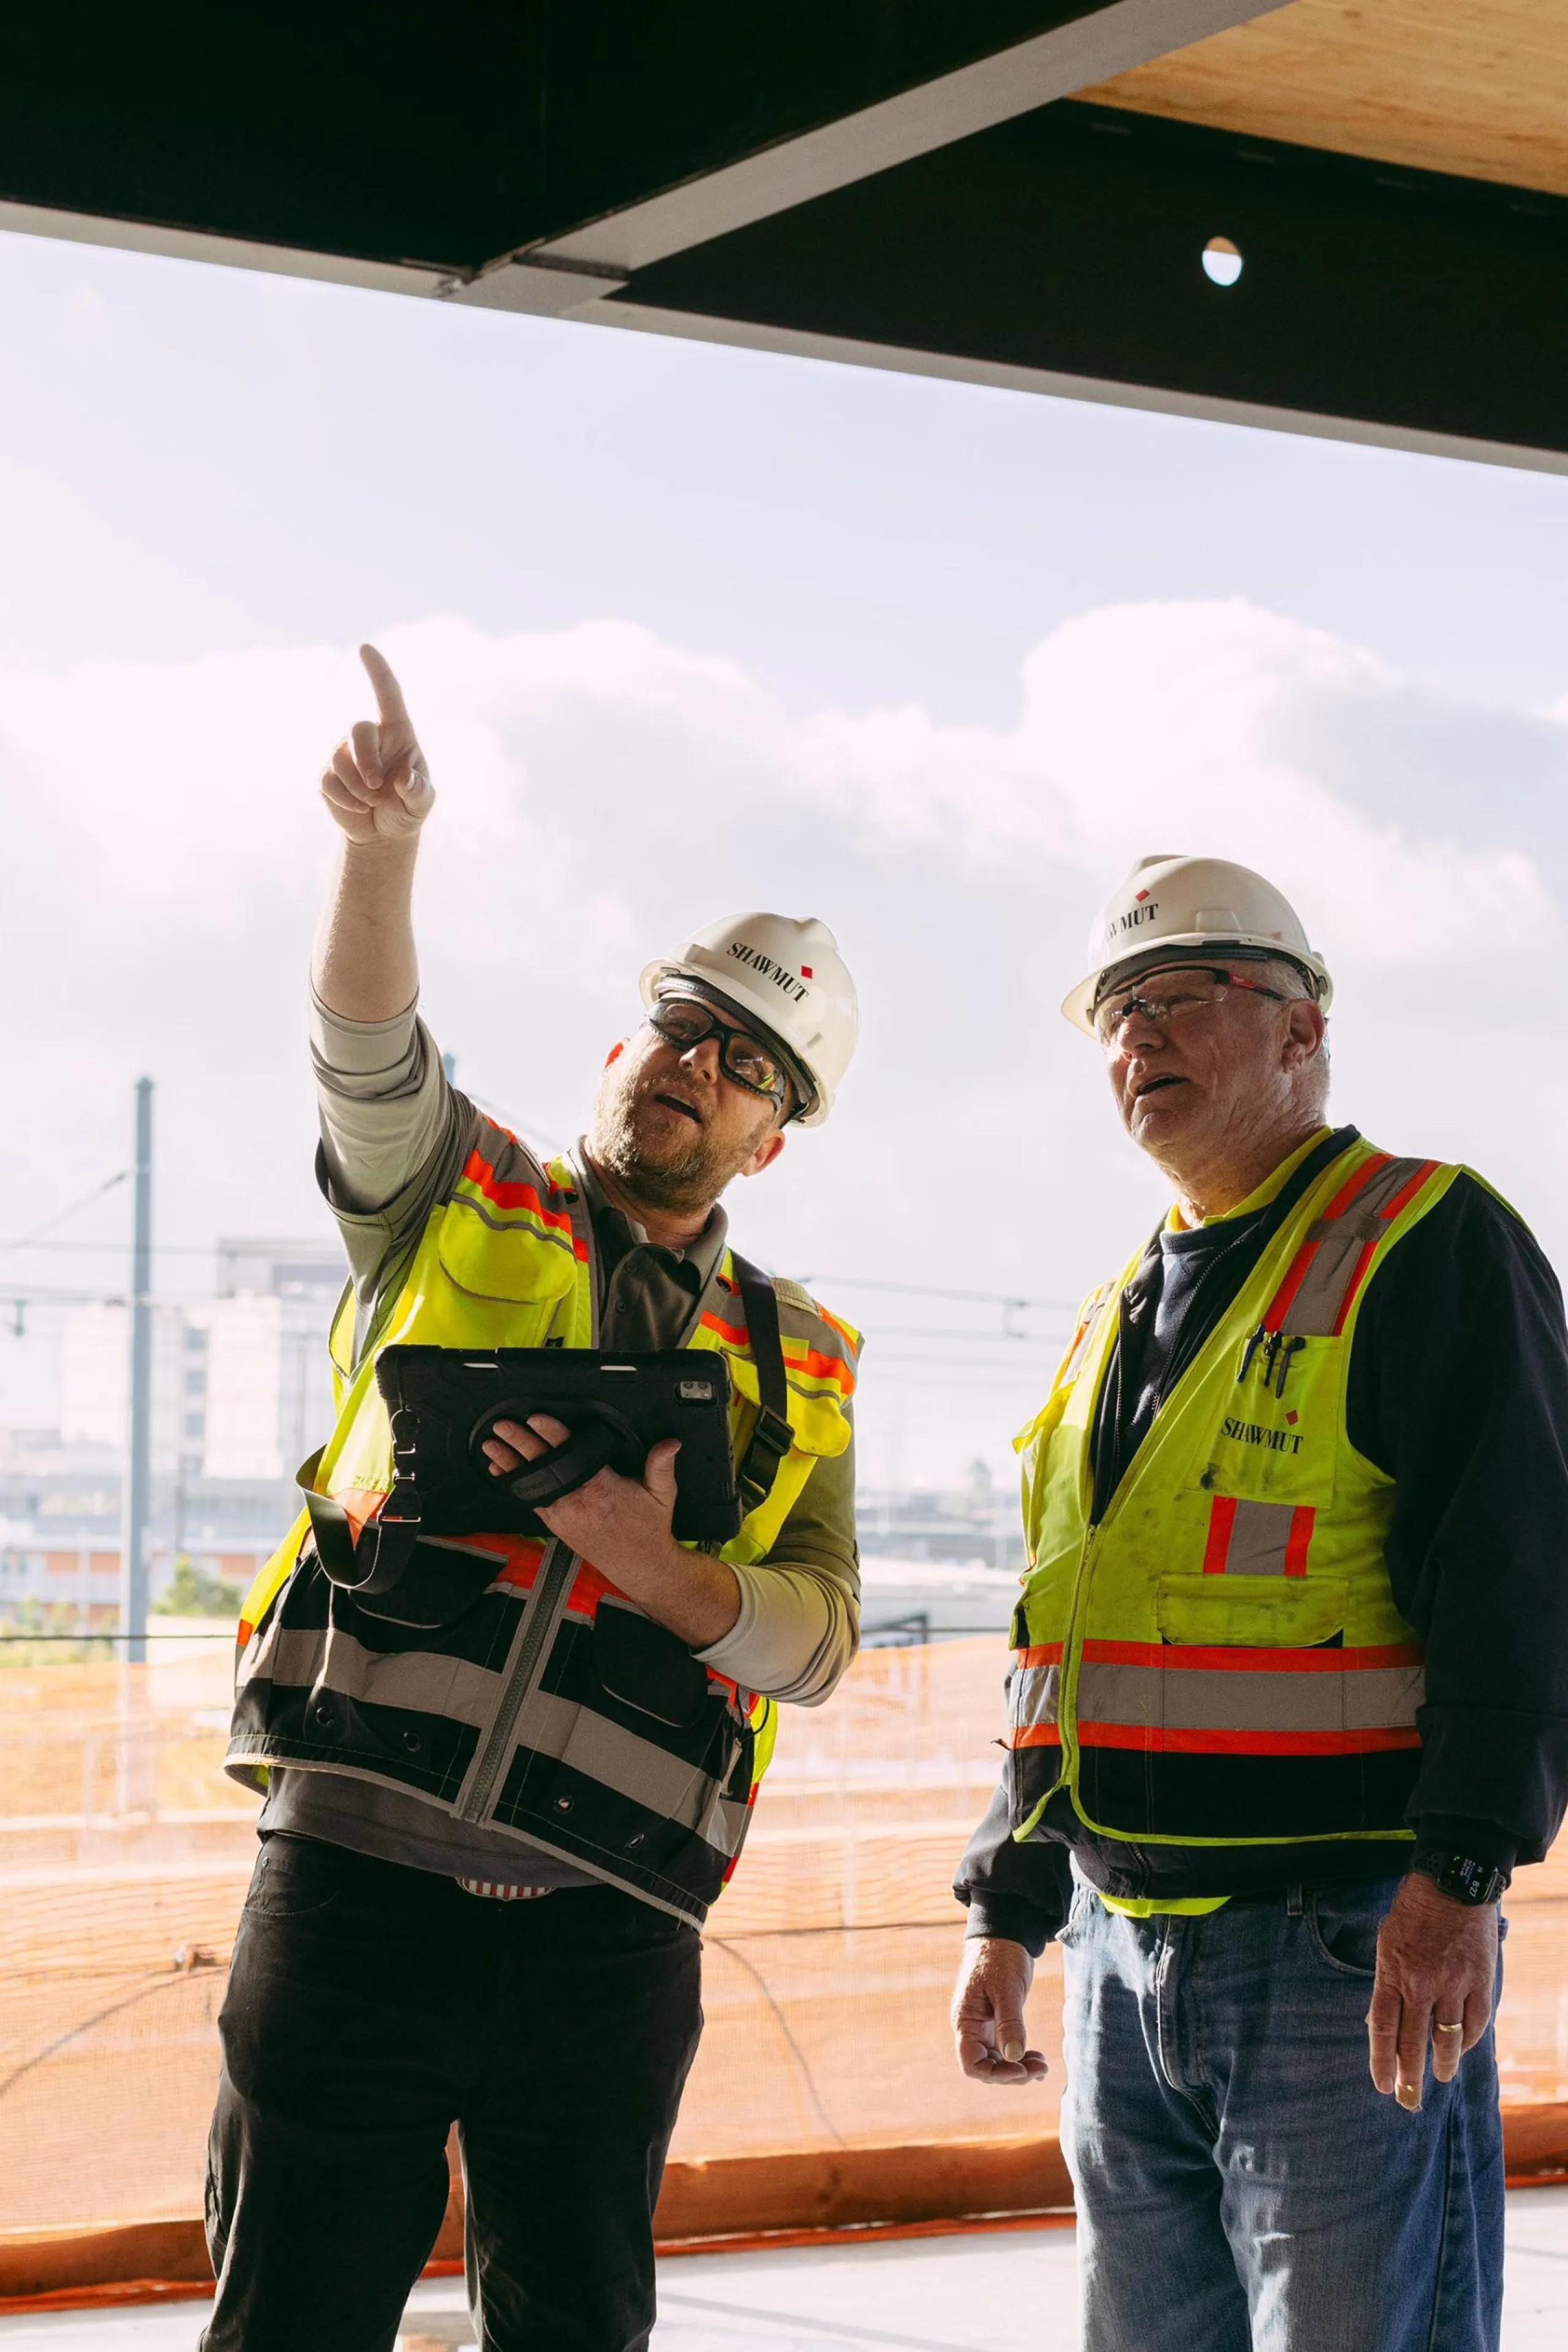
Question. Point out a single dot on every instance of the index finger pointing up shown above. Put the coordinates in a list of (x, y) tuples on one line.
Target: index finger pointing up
[(388, 693)]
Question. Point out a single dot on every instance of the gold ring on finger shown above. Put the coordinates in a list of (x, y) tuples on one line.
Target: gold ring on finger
[(1439, 2028)]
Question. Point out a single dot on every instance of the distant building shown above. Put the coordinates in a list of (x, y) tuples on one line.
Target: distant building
[(241, 1394)]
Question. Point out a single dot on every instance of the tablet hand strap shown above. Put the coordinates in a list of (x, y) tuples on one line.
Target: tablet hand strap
[(566, 1467)]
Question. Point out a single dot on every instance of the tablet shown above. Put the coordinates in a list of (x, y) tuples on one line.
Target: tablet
[(443, 1403)]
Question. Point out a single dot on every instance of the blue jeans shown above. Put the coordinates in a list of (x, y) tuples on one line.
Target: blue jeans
[(1241, 2186)]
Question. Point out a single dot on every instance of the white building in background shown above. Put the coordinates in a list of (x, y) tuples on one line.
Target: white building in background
[(241, 1386), (241, 1394), (95, 1380), (268, 1382)]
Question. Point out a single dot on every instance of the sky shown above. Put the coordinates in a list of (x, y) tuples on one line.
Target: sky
[(689, 630)]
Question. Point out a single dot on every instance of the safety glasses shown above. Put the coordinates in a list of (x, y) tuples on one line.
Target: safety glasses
[(1171, 998), (683, 1023)]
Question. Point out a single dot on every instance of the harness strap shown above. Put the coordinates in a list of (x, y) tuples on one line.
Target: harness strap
[(772, 1437)]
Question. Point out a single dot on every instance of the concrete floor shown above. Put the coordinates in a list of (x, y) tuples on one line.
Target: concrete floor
[(989, 2291)]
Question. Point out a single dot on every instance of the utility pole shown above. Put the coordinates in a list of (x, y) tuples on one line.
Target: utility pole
[(139, 1464)]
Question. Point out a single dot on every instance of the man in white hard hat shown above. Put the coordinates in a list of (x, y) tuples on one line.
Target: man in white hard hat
[(1290, 1693), (505, 1782)]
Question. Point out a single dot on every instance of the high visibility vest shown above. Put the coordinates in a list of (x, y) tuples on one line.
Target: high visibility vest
[(630, 1771), (1220, 1661)]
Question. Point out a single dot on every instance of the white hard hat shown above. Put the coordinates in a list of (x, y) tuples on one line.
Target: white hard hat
[(788, 976), (1191, 902)]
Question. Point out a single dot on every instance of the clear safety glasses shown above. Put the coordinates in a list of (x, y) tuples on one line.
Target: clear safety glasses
[(1170, 998)]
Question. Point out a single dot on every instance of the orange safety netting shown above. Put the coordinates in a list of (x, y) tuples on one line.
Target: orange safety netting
[(124, 1856)]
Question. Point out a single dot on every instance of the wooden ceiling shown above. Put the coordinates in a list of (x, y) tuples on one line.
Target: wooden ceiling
[(1474, 87)]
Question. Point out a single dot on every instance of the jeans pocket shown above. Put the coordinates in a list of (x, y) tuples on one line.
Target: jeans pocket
[(1073, 1926), (1344, 1922), (295, 1878)]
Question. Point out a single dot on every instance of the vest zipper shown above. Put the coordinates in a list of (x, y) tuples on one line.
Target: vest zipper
[(1072, 1647), (1071, 1651), (551, 1583)]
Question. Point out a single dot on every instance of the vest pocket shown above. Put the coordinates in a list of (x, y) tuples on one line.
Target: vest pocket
[(1278, 1431), (646, 1666), (437, 1587), (1276, 1613), (511, 1263)]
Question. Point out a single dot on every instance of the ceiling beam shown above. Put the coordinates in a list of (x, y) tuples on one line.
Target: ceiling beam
[(557, 276), (232, 252)]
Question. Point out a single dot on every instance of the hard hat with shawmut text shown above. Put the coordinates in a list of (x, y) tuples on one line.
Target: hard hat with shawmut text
[(1176, 903), (788, 977)]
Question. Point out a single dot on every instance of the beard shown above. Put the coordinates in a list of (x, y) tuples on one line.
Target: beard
[(681, 1171)]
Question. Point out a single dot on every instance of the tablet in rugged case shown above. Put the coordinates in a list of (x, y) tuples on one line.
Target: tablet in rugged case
[(445, 1402)]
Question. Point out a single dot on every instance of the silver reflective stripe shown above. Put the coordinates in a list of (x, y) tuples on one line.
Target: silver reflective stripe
[(1203, 1698), (417, 1681), (527, 1222), (1033, 1694), (1317, 1305), (1397, 1692), (1259, 1537), (607, 1752)]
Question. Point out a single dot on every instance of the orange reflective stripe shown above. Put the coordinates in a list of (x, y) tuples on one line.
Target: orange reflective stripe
[(1234, 1658), (1158, 1740), (1043, 1654), (1221, 1519), (733, 1335), (1033, 1735), (846, 1331), (798, 1358), (504, 1194), (1302, 1520)]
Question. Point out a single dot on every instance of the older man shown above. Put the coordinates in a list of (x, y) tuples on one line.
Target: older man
[(1289, 1698), (504, 1777)]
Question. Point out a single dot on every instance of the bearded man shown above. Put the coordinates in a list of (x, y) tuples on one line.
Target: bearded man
[(503, 1788), (1290, 1694)]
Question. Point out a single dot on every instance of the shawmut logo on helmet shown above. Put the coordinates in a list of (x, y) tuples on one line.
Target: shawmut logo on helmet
[(745, 952), (1144, 910), (787, 975), (1191, 903)]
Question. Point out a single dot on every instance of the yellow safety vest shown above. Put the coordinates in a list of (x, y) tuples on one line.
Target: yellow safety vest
[(1219, 1660), (501, 1264)]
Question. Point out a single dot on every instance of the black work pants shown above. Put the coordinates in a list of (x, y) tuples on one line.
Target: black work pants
[(368, 2008)]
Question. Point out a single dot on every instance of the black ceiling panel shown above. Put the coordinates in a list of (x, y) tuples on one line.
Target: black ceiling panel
[(441, 135), (1069, 240)]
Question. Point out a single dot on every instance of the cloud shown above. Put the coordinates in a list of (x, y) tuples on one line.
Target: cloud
[(601, 791)]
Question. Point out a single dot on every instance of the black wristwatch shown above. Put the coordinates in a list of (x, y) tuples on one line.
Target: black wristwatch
[(1461, 1876)]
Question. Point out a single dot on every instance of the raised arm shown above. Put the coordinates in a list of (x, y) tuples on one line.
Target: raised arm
[(379, 791)]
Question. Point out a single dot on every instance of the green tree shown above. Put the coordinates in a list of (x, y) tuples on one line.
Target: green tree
[(194, 1591)]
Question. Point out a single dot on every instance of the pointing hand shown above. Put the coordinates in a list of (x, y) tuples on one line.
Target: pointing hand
[(378, 786)]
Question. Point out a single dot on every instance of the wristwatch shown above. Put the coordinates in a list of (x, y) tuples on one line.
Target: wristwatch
[(1461, 1876)]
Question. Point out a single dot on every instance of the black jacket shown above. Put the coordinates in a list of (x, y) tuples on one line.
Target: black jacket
[(1459, 1389)]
